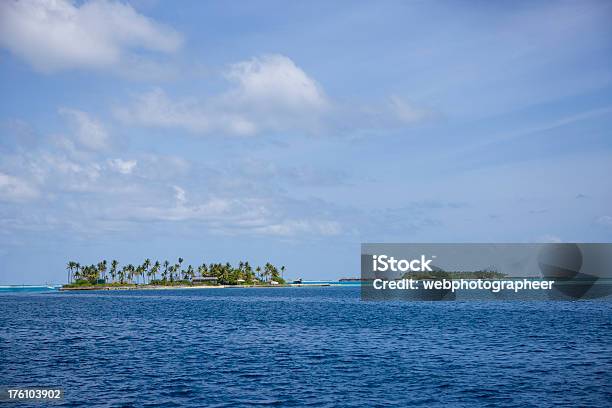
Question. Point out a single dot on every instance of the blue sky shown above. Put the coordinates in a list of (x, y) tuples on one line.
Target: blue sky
[(291, 133)]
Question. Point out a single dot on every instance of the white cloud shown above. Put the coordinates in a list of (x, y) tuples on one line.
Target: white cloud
[(214, 210), (269, 93), (156, 109), (180, 195), (53, 35), (406, 112), (162, 168), (89, 131), (604, 220), (275, 82), (297, 227), (549, 238), (122, 166), (88, 192), (61, 173), (266, 93), (233, 216), (16, 189)]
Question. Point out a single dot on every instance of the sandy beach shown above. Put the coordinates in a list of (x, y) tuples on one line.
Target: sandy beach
[(185, 287)]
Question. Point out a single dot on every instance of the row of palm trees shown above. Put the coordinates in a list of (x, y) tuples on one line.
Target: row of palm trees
[(170, 273)]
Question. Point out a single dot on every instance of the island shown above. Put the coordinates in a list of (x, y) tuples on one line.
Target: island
[(438, 274), (160, 275)]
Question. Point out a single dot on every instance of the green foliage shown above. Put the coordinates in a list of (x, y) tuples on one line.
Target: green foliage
[(440, 274), (170, 274)]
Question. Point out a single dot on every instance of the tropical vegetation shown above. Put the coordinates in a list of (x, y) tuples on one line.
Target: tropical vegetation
[(441, 274), (171, 274)]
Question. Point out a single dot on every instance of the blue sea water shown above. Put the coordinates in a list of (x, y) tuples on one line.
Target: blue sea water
[(304, 347)]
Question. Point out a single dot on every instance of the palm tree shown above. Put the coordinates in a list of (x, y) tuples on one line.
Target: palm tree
[(189, 273), (145, 269), (78, 270), (248, 272), (101, 269), (92, 273), (178, 269), (154, 270), (227, 270), (165, 272), (203, 269), (225, 273), (70, 267), (270, 271), (140, 272), (171, 270), (130, 273), (113, 270)]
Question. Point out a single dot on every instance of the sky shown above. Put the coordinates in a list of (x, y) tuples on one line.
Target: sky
[(293, 132)]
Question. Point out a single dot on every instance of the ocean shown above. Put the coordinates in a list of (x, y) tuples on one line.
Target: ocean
[(318, 347)]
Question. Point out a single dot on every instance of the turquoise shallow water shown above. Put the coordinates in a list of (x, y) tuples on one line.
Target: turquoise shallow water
[(28, 288), (304, 347)]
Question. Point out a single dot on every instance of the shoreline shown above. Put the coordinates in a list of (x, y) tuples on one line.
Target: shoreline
[(185, 287)]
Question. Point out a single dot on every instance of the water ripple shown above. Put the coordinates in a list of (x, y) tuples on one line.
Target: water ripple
[(319, 347)]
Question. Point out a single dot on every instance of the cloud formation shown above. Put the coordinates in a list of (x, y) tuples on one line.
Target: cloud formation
[(90, 132), (16, 189), (268, 93), (273, 83), (67, 182), (408, 113), (54, 35), (122, 166), (604, 220)]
